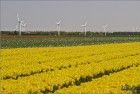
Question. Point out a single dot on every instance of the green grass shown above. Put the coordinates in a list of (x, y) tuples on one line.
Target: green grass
[(53, 42)]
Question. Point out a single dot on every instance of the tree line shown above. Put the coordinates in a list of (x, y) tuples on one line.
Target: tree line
[(80, 34)]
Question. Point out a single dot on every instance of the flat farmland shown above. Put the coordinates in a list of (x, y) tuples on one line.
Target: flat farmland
[(54, 41), (91, 69)]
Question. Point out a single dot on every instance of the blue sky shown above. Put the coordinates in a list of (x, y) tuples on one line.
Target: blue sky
[(42, 15)]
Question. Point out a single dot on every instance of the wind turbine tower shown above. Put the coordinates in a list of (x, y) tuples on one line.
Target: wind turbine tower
[(19, 25), (58, 27), (104, 28), (85, 28)]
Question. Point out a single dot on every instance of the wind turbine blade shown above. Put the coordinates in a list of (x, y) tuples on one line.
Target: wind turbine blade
[(18, 17), (58, 22)]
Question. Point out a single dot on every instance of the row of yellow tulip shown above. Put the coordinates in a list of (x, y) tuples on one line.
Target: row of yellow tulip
[(124, 82), (51, 81), (27, 61)]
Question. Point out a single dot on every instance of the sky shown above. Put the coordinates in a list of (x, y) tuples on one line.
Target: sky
[(42, 15)]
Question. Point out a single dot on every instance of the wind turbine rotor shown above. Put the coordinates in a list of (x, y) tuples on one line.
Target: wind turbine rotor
[(23, 24), (84, 25)]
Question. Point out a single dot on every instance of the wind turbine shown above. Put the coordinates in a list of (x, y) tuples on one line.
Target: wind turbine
[(20, 24), (58, 27), (85, 28), (137, 29), (104, 27)]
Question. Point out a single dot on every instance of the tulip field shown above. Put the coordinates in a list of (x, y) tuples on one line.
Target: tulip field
[(88, 69)]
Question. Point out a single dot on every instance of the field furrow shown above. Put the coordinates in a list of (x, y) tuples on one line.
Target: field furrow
[(123, 82), (52, 81)]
